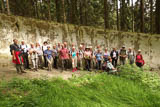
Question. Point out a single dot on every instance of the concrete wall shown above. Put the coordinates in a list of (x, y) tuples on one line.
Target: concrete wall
[(32, 30)]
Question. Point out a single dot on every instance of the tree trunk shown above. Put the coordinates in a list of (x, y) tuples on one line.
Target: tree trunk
[(151, 16), (106, 19), (117, 14), (81, 12), (142, 15), (7, 5), (2, 6), (63, 12), (122, 14), (132, 17), (49, 9), (157, 19)]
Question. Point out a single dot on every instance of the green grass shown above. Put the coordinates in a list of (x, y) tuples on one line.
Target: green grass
[(91, 90)]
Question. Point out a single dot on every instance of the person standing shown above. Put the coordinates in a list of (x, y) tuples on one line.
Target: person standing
[(17, 58), (44, 47), (64, 57), (80, 57), (24, 50), (87, 57), (34, 57), (99, 57), (74, 59), (55, 56), (40, 55), (131, 56), (114, 56), (49, 57), (67, 56), (123, 55), (139, 59), (106, 55)]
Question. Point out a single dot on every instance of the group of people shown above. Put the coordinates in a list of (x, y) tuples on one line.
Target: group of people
[(62, 56)]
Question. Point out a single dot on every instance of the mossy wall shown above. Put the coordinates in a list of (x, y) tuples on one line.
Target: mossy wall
[(32, 30)]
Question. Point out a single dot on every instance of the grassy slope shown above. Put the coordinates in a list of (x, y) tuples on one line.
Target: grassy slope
[(100, 90)]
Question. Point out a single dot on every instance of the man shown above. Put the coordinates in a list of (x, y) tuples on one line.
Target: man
[(24, 50), (17, 56), (110, 67), (123, 55), (34, 57), (44, 47), (64, 57), (114, 56), (49, 57)]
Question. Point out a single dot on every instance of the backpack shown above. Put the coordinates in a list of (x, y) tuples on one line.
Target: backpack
[(139, 59), (11, 48)]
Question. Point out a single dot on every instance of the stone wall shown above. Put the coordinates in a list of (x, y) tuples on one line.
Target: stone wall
[(32, 30)]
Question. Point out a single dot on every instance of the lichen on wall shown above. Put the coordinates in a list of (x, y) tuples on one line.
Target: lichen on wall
[(33, 30)]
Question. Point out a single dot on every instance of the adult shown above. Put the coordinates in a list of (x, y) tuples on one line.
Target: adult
[(74, 59), (24, 50), (87, 57), (64, 57), (99, 57), (139, 59), (111, 68), (34, 57), (40, 55), (123, 55), (80, 57), (114, 56), (17, 56), (67, 56), (106, 55), (131, 56), (44, 47), (49, 57), (55, 56)]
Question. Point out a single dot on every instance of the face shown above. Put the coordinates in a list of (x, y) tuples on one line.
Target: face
[(37, 44), (15, 41), (32, 45), (59, 44), (48, 48), (22, 42), (106, 49), (130, 49), (54, 47), (114, 49)]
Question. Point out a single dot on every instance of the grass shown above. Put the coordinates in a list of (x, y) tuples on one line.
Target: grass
[(91, 90)]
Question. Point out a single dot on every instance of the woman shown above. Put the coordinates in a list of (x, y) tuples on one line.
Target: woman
[(131, 56), (74, 59), (139, 59), (49, 57), (99, 59), (87, 57), (34, 57)]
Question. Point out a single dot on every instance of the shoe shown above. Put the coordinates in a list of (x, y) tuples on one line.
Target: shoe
[(23, 72)]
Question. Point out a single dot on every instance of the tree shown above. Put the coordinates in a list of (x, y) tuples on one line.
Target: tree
[(106, 14), (7, 5), (2, 6), (142, 15), (151, 16), (63, 11), (117, 11), (132, 17), (157, 18), (49, 9)]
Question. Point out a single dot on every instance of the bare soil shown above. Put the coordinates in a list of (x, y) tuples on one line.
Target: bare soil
[(10, 73)]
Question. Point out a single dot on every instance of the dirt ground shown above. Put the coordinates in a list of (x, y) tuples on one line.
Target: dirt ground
[(10, 73)]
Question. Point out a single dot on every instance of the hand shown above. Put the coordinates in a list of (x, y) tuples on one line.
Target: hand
[(14, 58)]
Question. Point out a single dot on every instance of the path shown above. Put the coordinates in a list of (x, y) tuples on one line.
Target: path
[(10, 73)]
